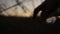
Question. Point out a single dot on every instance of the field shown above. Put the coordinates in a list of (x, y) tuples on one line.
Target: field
[(27, 25)]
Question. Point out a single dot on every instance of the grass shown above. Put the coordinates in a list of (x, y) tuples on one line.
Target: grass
[(26, 25)]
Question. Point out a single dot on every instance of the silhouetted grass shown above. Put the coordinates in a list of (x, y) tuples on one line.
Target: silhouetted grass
[(26, 25)]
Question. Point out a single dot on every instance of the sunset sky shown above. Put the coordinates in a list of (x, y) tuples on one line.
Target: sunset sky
[(28, 5)]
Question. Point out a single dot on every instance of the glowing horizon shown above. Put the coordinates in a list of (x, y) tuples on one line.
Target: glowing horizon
[(28, 5)]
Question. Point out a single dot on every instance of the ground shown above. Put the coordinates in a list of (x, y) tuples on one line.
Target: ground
[(27, 25)]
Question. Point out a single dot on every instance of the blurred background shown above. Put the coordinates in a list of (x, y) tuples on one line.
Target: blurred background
[(24, 9), (11, 9)]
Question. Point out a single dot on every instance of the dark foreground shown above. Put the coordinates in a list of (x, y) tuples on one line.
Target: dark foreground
[(16, 25)]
